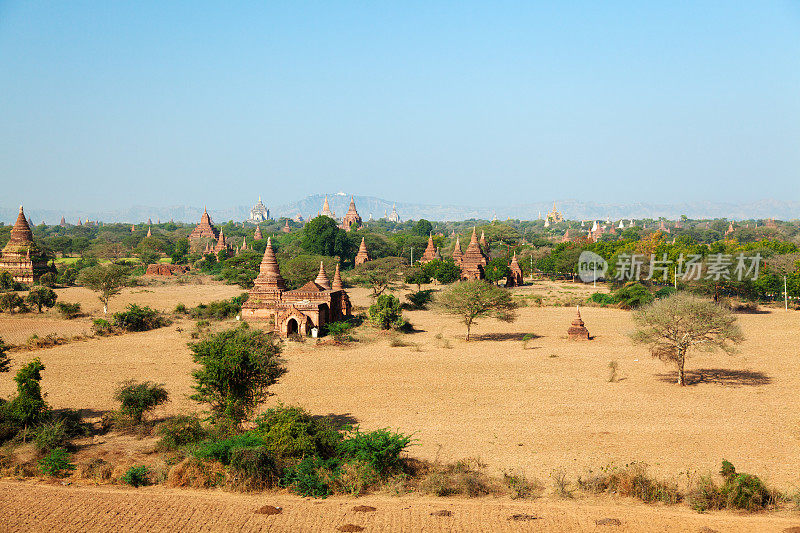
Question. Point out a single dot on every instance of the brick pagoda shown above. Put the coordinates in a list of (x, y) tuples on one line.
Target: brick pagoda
[(474, 260), (21, 257), (514, 278), (294, 312), (430, 252), (351, 217), (203, 232), (458, 255), (578, 331), (362, 256)]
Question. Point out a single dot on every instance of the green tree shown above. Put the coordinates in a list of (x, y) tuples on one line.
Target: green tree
[(633, 294), (380, 274), (296, 270), (674, 326), (237, 367), (323, 236), (386, 312), (10, 301), (136, 398), (48, 279), (422, 228), (442, 270), (28, 406), (181, 252), (6, 281), (497, 269), (41, 297), (107, 281), (470, 300), (417, 276)]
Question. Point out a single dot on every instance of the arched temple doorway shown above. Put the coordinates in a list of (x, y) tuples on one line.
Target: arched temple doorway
[(292, 326)]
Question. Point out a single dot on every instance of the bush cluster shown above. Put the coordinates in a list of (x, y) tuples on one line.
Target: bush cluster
[(739, 491), (69, 310), (139, 318), (419, 300), (218, 310), (290, 448), (386, 312)]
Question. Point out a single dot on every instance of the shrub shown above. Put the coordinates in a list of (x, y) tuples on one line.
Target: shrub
[(136, 476), (138, 398), (521, 487), (632, 481), (10, 301), (219, 310), (254, 466), (380, 449), (561, 485), (354, 478), (102, 327), (137, 318), (5, 361), (339, 330), (663, 292), (465, 477), (48, 279), (69, 310), (291, 432), (420, 299), (57, 463), (632, 295), (744, 491), (179, 431), (386, 312), (221, 450), (50, 434), (95, 469), (602, 299), (311, 477), (181, 309)]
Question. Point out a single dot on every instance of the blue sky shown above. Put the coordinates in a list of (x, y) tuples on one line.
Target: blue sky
[(111, 104)]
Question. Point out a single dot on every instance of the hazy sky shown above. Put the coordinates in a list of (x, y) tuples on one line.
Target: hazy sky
[(110, 104)]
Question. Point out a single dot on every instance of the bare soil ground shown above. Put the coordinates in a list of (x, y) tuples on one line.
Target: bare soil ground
[(52, 507), (531, 411)]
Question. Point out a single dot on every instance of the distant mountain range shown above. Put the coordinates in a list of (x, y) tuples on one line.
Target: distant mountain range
[(377, 208)]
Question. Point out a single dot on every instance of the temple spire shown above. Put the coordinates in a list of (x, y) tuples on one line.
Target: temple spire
[(269, 275), (21, 232), (322, 278), (337, 280)]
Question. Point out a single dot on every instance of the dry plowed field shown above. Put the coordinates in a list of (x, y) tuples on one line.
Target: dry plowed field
[(28, 507)]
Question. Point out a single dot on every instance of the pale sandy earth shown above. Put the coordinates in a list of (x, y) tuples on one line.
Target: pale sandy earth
[(529, 410), (30, 507)]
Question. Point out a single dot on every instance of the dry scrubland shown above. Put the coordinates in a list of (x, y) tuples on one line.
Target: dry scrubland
[(532, 410)]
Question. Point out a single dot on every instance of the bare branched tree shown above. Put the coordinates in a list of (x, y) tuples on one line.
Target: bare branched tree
[(672, 327)]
